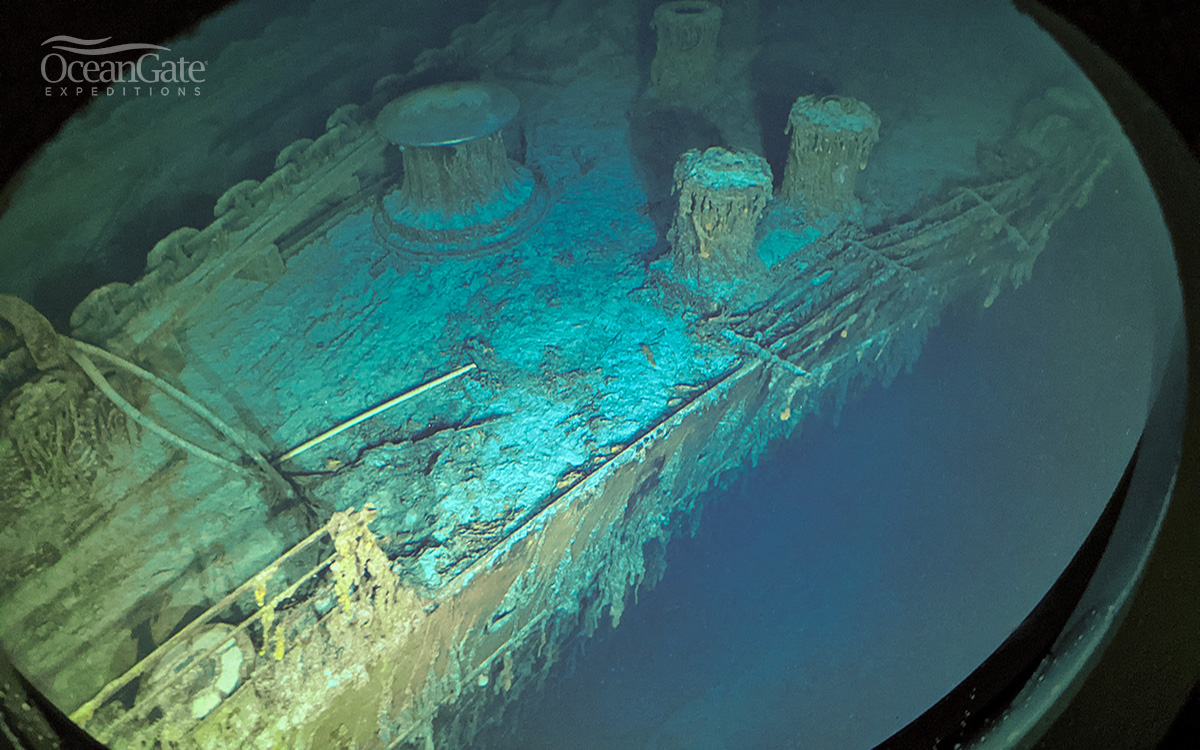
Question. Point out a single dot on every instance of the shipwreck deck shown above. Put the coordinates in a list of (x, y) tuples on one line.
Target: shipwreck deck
[(508, 508)]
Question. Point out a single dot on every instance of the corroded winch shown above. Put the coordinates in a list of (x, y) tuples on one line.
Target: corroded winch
[(460, 191)]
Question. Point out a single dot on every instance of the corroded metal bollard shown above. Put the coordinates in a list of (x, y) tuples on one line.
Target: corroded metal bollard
[(687, 49), (831, 140), (722, 196)]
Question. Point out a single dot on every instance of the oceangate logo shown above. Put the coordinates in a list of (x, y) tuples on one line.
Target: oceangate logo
[(78, 72)]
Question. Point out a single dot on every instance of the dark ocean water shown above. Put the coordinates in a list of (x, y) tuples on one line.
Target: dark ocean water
[(863, 569)]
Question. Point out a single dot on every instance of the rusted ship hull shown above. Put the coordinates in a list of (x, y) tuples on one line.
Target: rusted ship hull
[(417, 634)]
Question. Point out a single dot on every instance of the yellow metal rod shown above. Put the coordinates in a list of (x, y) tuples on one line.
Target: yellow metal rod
[(373, 411)]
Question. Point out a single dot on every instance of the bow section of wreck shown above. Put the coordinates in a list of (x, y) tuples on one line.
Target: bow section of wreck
[(401, 578)]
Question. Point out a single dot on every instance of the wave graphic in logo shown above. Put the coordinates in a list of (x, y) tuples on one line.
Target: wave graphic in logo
[(91, 49)]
